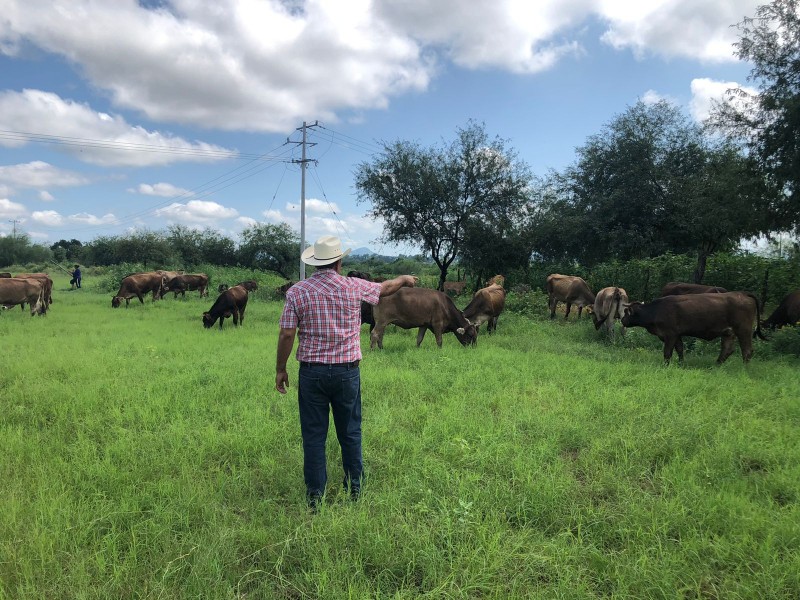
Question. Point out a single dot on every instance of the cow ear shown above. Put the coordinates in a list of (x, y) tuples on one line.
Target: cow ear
[(460, 331)]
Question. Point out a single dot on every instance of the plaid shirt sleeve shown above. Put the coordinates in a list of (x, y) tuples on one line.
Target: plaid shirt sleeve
[(289, 318)]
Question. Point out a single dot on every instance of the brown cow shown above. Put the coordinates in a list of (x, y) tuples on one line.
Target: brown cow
[(182, 283), (609, 305), (569, 289), (251, 285), (15, 290), (423, 308), (284, 288), (498, 280), (787, 313), (5, 275), (486, 305), (138, 286), (456, 288), (367, 316), (678, 288), (231, 302), (728, 315), (47, 283)]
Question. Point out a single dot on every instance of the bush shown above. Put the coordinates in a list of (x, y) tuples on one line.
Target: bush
[(786, 341)]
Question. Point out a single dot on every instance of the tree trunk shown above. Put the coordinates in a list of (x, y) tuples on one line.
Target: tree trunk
[(700, 270)]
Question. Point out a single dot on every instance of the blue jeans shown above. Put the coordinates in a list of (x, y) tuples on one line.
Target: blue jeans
[(337, 387)]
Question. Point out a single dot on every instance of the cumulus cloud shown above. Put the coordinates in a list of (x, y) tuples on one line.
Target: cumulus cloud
[(264, 66), (11, 210), (117, 142), (675, 28), (197, 211), (46, 196), (314, 205), (166, 190), (39, 174), (246, 222), (706, 92), (52, 218)]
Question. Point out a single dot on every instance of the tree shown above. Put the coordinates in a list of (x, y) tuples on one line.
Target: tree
[(769, 121), (271, 248), (67, 250), (649, 183), (427, 196)]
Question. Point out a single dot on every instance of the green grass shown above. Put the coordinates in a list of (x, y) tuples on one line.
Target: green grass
[(146, 457)]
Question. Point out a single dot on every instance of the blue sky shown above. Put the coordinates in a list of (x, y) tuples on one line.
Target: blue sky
[(123, 115)]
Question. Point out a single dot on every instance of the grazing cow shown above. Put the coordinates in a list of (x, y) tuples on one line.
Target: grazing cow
[(15, 290), (787, 313), (169, 276), (285, 288), (728, 315), (180, 284), (423, 308), (5, 275), (486, 305), (367, 315), (456, 288), (609, 305), (47, 283), (678, 288), (138, 286), (497, 280), (569, 289), (251, 285), (231, 302)]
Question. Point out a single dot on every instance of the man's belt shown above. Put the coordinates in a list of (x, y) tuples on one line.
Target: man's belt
[(349, 365)]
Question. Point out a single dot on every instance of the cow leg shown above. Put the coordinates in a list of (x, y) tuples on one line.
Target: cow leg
[(241, 315), (679, 348), (569, 306), (580, 310), (726, 348), (140, 297), (221, 319), (438, 335), (420, 335), (376, 337), (552, 304), (669, 344)]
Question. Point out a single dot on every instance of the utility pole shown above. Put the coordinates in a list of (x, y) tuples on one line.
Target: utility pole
[(13, 239), (303, 162)]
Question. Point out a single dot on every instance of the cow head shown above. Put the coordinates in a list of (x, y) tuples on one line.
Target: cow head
[(629, 319), (468, 335), (208, 320), (116, 301)]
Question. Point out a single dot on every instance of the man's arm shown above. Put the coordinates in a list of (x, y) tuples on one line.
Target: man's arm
[(285, 344), (390, 286)]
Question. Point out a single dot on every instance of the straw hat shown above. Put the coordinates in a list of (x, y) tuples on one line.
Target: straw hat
[(326, 250)]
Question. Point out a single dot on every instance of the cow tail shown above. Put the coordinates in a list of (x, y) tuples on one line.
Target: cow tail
[(41, 302), (757, 332)]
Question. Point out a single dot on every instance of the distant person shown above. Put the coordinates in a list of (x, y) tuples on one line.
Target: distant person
[(326, 308), (75, 282)]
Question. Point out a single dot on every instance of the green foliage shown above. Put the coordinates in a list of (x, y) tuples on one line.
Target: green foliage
[(786, 341), (271, 247), (426, 196), (19, 249)]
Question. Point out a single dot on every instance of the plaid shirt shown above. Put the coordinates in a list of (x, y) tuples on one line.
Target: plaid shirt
[(326, 308)]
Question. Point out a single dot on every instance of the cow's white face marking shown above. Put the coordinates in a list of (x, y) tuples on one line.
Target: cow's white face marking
[(460, 331)]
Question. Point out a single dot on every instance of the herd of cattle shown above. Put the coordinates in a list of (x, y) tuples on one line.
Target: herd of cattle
[(684, 309)]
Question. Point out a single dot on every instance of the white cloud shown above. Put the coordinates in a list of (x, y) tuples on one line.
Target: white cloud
[(11, 210), (166, 190), (38, 235), (314, 205), (197, 211), (246, 222), (38, 174), (675, 28), (265, 66), (46, 196), (50, 218), (705, 92), (122, 144)]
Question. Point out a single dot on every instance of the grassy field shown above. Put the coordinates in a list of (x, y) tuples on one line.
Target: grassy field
[(146, 457)]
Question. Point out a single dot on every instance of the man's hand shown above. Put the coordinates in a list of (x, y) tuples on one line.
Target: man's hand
[(281, 381)]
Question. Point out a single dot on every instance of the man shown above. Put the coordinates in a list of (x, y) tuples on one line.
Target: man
[(76, 278), (326, 308)]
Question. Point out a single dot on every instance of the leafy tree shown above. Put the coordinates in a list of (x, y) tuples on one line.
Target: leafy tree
[(186, 242), (67, 250), (769, 121), (272, 248), (652, 182), (18, 249), (427, 196)]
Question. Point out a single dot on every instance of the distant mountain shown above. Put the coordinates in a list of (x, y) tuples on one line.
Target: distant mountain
[(363, 251)]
